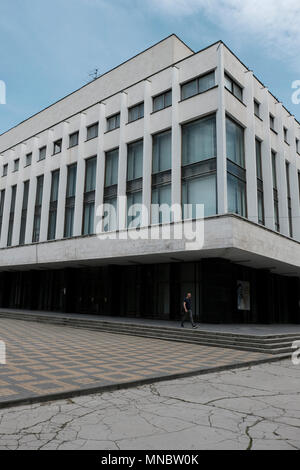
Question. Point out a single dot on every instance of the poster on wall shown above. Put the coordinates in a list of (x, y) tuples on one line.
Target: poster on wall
[(243, 295)]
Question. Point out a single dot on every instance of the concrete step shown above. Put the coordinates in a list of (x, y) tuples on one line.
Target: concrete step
[(269, 344)]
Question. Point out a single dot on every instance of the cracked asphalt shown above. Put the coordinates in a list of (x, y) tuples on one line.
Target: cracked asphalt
[(249, 408)]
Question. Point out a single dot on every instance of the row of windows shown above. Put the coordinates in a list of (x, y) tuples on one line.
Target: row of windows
[(198, 181)]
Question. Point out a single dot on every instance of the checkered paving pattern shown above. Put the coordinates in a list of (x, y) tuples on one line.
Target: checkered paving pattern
[(44, 359)]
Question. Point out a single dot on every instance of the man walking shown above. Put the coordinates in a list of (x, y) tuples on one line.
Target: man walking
[(187, 310)]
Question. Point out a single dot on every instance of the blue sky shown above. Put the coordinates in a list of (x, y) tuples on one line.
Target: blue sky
[(48, 48)]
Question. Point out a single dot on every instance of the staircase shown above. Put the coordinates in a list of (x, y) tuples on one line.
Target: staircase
[(277, 344)]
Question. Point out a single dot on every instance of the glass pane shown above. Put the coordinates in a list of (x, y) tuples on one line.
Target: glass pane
[(228, 83), (162, 149), (135, 161), (201, 190), (69, 222), (260, 205), (199, 140), (206, 82), (111, 168), (258, 159), (235, 142), (73, 139), (134, 220), (238, 91), (168, 98), (71, 184), (92, 131), (90, 178), (54, 186), (158, 103), (88, 219), (236, 196), (111, 217), (189, 89), (161, 196)]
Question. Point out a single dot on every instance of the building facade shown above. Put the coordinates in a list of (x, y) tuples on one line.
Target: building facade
[(168, 127)]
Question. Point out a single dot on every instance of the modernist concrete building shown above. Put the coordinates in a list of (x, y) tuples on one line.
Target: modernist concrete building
[(167, 126)]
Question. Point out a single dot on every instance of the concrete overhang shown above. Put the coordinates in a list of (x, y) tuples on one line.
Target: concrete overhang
[(228, 236)]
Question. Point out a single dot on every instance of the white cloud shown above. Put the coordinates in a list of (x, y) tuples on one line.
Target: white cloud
[(273, 22)]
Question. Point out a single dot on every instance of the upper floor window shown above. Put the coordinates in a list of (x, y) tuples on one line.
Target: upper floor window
[(272, 122), (16, 164), (198, 85), (42, 153), (199, 140), (235, 147), (285, 135), (135, 160), (259, 172), (5, 169), (57, 146), (164, 100), (233, 87), (73, 139), (257, 108), (113, 122), (136, 112), (162, 152), (28, 159), (92, 131), (297, 145)]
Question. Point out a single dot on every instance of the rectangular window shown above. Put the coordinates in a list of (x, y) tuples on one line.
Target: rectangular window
[(297, 145), (92, 131), (161, 178), (53, 205), (235, 142), (164, 100), (73, 139), (199, 140), (257, 108), (289, 200), (135, 160), (42, 153), (199, 190), (275, 192), (162, 152), (136, 112), (272, 122), (24, 213), (113, 122), (70, 201), (11, 215), (16, 164), (236, 195), (111, 190), (89, 196), (285, 135), (57, 146), (134, 183), (258, 159), (28, 159), (2, 200), (232, 86), (5, 169), (274, 170), (38, 209), (198, 85)]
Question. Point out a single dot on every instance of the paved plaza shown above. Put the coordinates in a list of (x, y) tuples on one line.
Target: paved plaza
[(46, 360), (249, 408)]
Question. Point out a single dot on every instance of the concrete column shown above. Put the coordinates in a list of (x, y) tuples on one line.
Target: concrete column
[(63, 173), (46, 189), (176, 139), (250, 151), (80, 178), (147, 156), (267, 163), (122, 169), (100, 167), (281, 176), (221, 137), (294, 180)]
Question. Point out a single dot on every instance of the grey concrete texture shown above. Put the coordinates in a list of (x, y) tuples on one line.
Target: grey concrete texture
[(250, 408)]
